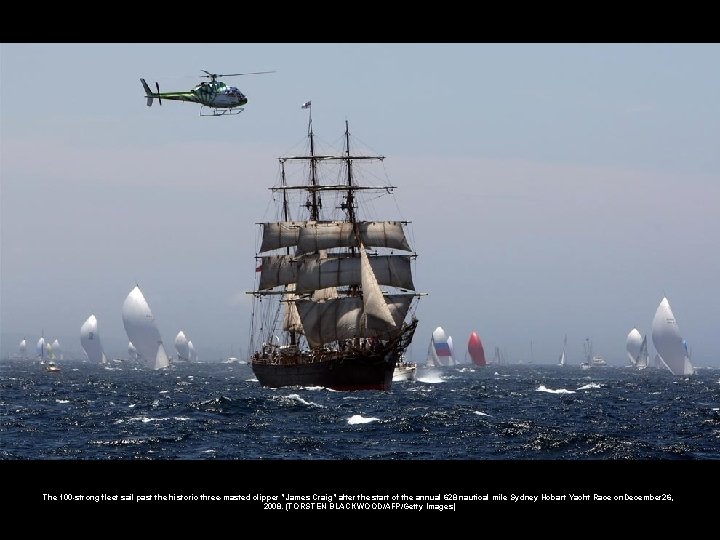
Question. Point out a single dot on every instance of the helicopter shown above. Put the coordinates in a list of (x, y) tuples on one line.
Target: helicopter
[(215, 97)]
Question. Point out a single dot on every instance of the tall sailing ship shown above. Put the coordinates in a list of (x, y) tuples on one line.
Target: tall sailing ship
[(334, 302)]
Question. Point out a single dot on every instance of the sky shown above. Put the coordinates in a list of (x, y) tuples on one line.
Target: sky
[(552, 189)]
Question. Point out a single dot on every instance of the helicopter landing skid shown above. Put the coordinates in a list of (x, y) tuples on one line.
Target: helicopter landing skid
[(209, 111)]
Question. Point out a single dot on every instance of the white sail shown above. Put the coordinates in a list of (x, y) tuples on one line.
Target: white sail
[(132, 351), (90, 341), (182, 347), (643, 357), (374, 305), (193, 354), (161, 357), (291, 318), (342, 318), (452, 350), (311, 236), (313, 272), (633, 342), (41, 349), (23, 349), (668, 342), (57, 351), (142, 331), (561, 361), (281, 234)]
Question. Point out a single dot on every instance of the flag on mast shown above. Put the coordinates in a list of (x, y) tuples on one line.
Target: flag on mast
[(306, 105)]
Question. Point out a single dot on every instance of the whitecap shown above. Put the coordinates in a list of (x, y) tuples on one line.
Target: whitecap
[(590, 385), (543, 388), (360, 419), (480, 413)]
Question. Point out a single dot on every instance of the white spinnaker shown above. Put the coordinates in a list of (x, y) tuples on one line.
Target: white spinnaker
[(90, 341), (633, 344), (142, 331), (668, 342)]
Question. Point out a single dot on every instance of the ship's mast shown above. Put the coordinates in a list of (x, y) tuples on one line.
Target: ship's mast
[(315, 203), (350, 196), (286, 217)]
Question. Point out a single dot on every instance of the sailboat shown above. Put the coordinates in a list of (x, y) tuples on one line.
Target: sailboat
[(142, 331), (50, 364), (41, 349), (90, 341), (132, 352), (23, 349), (322, 312), (668, 342), (476, 350), (561, 360), (439, 350), (57, 350), (499, 356), (636, 347), (191, 348), (643, 358), (182, 346)]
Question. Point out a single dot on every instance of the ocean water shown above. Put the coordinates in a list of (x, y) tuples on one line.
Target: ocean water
[(208, 411), (504, 419)]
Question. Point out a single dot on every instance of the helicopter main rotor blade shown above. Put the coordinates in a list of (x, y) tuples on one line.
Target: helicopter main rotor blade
[(251, 73), (216, 75)]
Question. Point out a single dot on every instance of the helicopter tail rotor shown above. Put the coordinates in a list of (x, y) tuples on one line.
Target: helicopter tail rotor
[(158, 91), (148, 92)]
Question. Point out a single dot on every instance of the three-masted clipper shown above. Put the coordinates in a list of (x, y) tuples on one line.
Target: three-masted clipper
[(334, 303)]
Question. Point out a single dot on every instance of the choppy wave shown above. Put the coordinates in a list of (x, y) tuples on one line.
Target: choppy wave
[(219, 411)]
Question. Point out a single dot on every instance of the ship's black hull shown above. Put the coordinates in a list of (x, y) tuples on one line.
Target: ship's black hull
[(366, 372)]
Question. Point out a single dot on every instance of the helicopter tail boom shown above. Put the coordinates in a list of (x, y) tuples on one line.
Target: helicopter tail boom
[(148, 93)]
